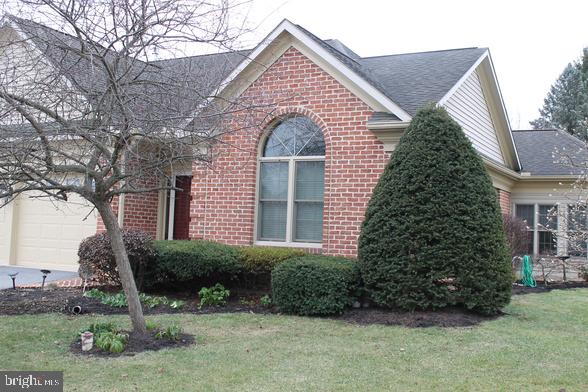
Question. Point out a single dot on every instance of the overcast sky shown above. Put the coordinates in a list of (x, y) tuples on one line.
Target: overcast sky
[(530, 41)]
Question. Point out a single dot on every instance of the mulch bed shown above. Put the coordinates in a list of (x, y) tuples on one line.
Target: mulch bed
[(135, 345), (36, 301), (448, 317), (518, 289)]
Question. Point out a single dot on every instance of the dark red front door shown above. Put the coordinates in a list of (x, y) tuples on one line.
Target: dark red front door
[(182, 208)]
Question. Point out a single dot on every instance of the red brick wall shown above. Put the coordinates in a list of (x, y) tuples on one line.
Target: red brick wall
[(100, 223), (141, 212), (140, 209), (504, 200), (223, 193)]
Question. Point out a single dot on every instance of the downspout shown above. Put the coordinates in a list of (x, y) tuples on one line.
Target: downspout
[(121, 209), (329, 179), (121, 198)]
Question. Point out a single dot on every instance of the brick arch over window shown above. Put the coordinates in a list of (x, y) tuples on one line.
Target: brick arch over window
[(267, 127), (224, 193), (291, 183), (281, 113)]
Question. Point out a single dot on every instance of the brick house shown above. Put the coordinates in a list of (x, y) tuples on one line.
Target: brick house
[(305, 176)]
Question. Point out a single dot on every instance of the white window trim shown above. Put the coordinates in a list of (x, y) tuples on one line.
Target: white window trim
[(172, 204), (288, 243), (172, 209), (561, 246)]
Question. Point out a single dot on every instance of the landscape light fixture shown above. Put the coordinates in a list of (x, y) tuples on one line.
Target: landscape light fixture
[(13, 277), (563, 264), (45, 273)]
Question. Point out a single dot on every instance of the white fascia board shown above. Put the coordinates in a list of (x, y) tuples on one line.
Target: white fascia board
[(503, 108), (376, 125), (293, 30), (462, 80)]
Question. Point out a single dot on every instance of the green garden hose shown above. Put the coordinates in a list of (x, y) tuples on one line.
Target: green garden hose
[(527, 272)]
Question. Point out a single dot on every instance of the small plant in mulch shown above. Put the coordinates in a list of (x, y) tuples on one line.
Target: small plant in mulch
[(112, 342), (98, 328), (247, 301), (213, 296), (177, 304), (109, 340), (266, 301), (119, 300), (172, 332)]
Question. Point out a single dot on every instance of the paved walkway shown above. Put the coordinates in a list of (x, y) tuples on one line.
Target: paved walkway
[(32, 277)]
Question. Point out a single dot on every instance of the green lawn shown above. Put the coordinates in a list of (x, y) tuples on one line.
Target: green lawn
[(542, 345)]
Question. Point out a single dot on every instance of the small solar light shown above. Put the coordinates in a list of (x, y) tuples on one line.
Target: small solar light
[(563, 259), (45, 273), (13, 277), (87, 341)]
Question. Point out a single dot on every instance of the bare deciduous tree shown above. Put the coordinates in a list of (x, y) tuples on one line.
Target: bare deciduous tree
[(86, 109)]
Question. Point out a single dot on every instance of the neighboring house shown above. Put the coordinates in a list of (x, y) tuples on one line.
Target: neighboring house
[(304, 178), (543, 193)]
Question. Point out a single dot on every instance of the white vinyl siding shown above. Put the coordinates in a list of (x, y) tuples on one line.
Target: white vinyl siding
[(23, 69), (5, 232), (469, 108)]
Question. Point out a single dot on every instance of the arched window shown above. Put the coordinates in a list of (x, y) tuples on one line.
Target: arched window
[(291, 183)]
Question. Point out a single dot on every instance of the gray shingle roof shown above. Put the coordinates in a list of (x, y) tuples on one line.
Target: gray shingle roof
[(382, 117), (414, 79), (211, 69), (60, 49), (335, 43), (550, 152), (174, 87), (410, 80)]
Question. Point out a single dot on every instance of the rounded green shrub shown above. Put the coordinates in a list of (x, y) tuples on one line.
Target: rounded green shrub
[(263, 259), (433, 234), (314, 285), (184, 261)]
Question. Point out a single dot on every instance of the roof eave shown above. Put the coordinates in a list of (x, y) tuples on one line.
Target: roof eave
[(525, 176), (297, 33)]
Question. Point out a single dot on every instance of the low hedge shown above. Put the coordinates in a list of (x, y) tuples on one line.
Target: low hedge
[(263, 259), (315, 285), (185, 261)]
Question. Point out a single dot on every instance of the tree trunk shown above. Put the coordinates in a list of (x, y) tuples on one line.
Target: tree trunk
[(124, 267)]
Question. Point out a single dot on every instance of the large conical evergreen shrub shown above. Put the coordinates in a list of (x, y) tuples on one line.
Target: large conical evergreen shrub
[(433, 232)]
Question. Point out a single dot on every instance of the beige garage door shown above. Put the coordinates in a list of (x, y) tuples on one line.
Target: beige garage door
[(48, 232)]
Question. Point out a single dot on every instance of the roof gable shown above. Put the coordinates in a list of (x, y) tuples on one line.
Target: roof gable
[(494, 104), (415, 79), (468, 106), (344, 68)]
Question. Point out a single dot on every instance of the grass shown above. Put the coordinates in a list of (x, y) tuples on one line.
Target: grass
[(541, 345)]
